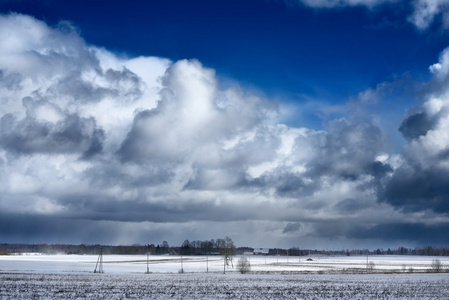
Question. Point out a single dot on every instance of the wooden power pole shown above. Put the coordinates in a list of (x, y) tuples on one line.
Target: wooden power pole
[(99, 264)]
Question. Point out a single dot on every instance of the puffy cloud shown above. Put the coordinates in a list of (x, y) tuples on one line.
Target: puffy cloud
[(192, 116)]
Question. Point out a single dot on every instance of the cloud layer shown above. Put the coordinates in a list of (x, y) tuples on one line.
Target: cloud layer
[(100, 148)]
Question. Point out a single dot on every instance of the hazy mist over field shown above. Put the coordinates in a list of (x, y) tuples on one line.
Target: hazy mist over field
[(278, 123)]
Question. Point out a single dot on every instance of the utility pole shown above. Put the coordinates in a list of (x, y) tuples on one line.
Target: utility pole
[(99, 264), (148, 263), (182, 267), (367, 260)]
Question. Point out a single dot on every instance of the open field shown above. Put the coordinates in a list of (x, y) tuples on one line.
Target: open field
[(117, 264), (72, 277), (220, 286)]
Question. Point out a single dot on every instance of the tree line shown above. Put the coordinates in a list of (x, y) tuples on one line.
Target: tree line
[(206, 247)]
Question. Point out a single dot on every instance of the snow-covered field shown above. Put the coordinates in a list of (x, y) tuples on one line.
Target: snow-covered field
[(71, 277), (118, 264)]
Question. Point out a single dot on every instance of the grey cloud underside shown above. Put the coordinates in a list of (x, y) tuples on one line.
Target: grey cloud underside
[(106, 209), (402, 232), (414, 188), (349, 150), (418, 124), (71, 135), (81, 90), (418, 186), (350, 206), (421, 234), (55, 229), (292, 227)]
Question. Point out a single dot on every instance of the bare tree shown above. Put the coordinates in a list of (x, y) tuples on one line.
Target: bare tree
[(165, 247), (227, 250), (185, 248), (436, 265), (243, 265), (371, 266)]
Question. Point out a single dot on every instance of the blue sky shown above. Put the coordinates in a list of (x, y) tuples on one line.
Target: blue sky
[(279, 123)]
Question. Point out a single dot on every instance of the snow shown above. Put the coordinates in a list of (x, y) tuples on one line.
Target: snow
[(41, 263), (71, 277)]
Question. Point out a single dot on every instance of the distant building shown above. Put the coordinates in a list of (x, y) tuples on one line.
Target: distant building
[(261, 251)]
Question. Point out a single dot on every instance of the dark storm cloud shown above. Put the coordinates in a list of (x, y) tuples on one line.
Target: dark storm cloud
[(292, 227), (421, 181), (292, 185), (108, 208), (348, 150), (23, 228), (332, 229), (416, 233), (137, 145), (415, 188), (286, 183), (350, 206), (201, 179), (416, 125), (96, 206)]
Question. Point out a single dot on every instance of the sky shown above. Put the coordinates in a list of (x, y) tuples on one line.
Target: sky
[(279, 123)]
